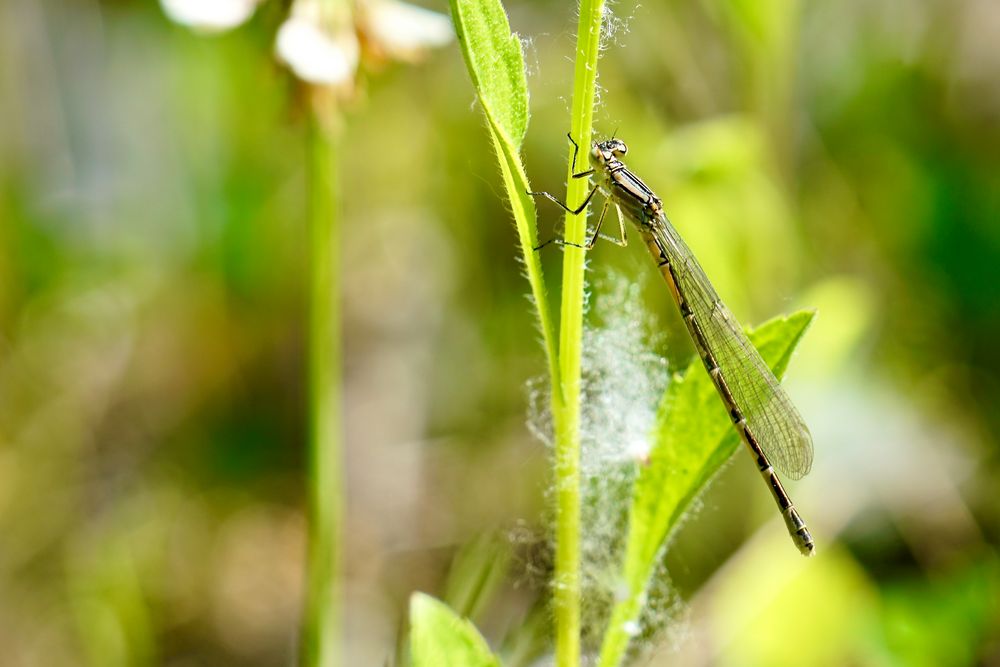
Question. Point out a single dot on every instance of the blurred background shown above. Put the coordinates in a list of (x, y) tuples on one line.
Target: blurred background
[(836, 155)]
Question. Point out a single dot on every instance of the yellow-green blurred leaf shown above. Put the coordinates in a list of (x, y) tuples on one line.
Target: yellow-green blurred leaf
[(442, 637)]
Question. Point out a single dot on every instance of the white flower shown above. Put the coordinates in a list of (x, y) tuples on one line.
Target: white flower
[(404, 31), (315, 55), (321, 43), (209, 15)]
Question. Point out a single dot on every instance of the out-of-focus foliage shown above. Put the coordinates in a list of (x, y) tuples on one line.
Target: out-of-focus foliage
[(837, 155), (440, 637)]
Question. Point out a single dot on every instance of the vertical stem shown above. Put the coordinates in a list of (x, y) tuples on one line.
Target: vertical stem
[(321, 627), (566, 399)]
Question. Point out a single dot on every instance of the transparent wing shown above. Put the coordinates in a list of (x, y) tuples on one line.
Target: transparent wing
[(769, 412)]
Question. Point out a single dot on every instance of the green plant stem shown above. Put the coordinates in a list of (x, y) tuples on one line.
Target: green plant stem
[(566, 397), (321, 626)]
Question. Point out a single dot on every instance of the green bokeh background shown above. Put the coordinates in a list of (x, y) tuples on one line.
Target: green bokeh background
[(843, 156)]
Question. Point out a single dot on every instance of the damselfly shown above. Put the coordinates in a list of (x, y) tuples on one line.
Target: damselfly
[(762, 413)]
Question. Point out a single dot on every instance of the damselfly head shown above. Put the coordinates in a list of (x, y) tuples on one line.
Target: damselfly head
[(606, 151)]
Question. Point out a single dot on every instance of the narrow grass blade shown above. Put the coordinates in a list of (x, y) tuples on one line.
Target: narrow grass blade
[(476, 573)]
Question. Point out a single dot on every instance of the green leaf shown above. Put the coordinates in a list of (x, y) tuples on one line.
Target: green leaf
[(496, 64), (692, 438), (441, 637)]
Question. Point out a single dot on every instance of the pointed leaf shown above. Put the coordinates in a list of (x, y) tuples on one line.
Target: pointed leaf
[(692, 438), (496, 64), (442, 637)]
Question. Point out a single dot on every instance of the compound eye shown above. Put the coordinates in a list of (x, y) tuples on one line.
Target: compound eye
[(620, 148)]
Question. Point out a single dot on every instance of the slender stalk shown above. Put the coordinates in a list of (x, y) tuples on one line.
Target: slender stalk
[(321, 626), (566, 398)]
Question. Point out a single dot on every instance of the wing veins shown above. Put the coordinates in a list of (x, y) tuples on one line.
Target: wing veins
[(770, 414)]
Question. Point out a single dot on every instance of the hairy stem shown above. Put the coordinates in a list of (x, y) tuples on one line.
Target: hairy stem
[(566, 397)]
